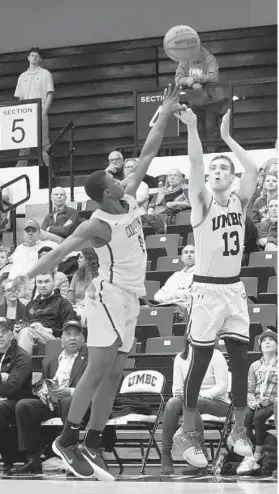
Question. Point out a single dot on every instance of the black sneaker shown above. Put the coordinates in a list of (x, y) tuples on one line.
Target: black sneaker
[(97, 462), (73, 459)]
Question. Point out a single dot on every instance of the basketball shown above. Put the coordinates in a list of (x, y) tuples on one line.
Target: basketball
[(182, 44)]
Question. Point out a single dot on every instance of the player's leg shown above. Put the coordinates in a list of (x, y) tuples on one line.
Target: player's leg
[(205, 320)]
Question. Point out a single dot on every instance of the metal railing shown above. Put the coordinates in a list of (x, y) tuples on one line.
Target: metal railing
[(68, 128)]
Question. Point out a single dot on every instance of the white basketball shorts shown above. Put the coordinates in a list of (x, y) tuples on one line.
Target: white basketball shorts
[(112, 315), (218, 309)]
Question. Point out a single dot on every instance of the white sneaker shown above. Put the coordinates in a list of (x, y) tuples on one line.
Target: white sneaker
[(190, 447), (247, 465), (239, 441)]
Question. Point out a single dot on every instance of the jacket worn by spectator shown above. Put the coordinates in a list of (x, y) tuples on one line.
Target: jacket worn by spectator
[(52, 312), (61, 222), (20, 310), (268, 229), (260, 210), (256, 379), (18, 364)]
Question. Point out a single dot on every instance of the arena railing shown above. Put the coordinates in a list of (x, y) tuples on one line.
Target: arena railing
[(69, 128)]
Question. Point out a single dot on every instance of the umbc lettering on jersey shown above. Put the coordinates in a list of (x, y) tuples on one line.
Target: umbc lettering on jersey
[(223, 220), (143, 379), (134, 228)]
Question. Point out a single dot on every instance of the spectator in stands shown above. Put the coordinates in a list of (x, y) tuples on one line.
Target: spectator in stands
[(61, 281), (36, 82), (260, 208), (62, 221), (5, 265), (27, 252), (204, 95), (172, 198), (176, 288), (64, 371), (87, 270), (11, 308), (268, 227), (116, 163), (262, 394), (45, 315), (213, 399), (143, 190), (15, 383)]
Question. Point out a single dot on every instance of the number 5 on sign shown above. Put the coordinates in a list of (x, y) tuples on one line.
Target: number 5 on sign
[(155, 116), (19, 126)]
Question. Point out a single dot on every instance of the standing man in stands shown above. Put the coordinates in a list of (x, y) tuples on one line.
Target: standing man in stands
[(36, 82)]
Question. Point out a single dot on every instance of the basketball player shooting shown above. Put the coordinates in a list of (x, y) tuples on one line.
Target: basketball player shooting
[(219, 299), (112, 307)]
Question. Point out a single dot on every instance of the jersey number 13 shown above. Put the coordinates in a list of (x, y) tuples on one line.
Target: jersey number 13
[(232, 245)]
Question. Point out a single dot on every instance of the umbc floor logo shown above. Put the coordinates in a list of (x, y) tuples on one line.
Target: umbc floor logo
[(143, 379)]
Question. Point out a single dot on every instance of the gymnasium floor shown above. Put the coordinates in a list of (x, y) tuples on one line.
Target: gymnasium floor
[(132, 483)]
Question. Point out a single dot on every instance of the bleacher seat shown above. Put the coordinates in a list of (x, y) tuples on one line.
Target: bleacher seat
[(162, 317), (272, 284), (166, 344), (179, 328), (251, 287), (169, 242), (267, 298), (255, 330), (263, 259), (183, 218), (161, 276), (169, 264), (190, 239), (263, 273), (153, 254), (266, 314), (151, 288), (145, 331)]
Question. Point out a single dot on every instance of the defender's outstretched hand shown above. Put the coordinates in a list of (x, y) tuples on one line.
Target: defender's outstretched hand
[(171, 99), (225, 126), (187, 116)]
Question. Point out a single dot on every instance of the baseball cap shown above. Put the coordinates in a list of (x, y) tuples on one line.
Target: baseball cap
[(5, 324), (268, 332), (32, 224), (72, 324)]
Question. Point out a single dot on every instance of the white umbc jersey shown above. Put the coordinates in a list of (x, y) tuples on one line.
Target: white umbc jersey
[(123, 260), (219, 240)]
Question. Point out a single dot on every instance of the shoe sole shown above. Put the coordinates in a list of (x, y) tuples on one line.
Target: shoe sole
[(231, 444), (189, 459), (68, 465), (100, 473)]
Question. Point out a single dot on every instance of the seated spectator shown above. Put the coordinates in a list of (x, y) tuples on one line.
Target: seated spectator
[(87, 270), (213, 399), (26, 254), (116, 163), (11, 308), (53, 394), (15, 383), (61, 281), (268, 227), (176, 288), (5, 265), (172, 198), (62, 221), (262, 395), (204, 95), (45, 315), (260, 208), (142, 195)]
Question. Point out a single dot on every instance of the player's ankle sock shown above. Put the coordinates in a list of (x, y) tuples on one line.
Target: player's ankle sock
[(70, 434), (189, 419), (93, 439), (239, 413)]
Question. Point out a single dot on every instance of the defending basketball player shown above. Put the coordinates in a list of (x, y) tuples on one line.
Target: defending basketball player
[(219, 299), (115, 231)]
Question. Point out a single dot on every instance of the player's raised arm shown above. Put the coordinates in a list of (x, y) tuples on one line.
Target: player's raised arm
[(198, 194), (154, 139), (248, 180)]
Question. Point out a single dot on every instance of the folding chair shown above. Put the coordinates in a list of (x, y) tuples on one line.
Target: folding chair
[(169, 242), (169, 264), (162, 317), (263, 259), (151, 288), (251, 287), (148, 385), (165, 344), (266, 314), (272, 284)]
